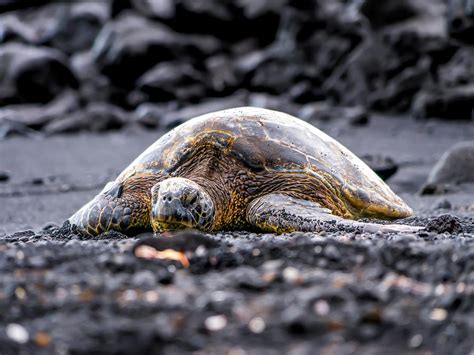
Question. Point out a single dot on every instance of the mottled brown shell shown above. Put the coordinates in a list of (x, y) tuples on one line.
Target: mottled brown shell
[(276, 142)]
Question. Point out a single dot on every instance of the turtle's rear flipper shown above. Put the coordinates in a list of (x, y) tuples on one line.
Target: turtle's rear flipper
[(281, 213)]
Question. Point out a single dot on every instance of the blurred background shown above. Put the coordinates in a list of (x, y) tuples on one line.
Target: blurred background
[(86, 86), (393, 80)]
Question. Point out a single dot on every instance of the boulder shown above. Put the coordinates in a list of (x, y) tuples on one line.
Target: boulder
[(33, 74), (77, 26), (96, 117), (451, 103), (130, 45), (461, 20), (163, 81), (455, 166), (36, 115), (323, 112), (175, 118)]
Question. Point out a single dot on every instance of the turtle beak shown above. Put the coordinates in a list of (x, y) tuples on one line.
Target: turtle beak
[(169, 213)]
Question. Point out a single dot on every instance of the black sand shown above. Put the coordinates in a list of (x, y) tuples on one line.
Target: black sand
[(297, 293)]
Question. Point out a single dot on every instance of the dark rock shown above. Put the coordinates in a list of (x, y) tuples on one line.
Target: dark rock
[(134, 43), (10, 5), (324, 112), (275, 75), (304, 92), (445, 224), (161, 82), (175, 118), (435, 189), (461, 20), (164, 9), (459, 70), (273, 102), (444, 205), (35, 115), (221, 77), (455, 166), (151, 115), (360, 72), (12, 29), (32, 26), (33, 74), (390, 11), (130, 45), (220, 19), (77, 26), (398, 94), (11, 128), (453, 104), (4, 176), (94, 87), (69, 27), (96, 117), (384, 166)]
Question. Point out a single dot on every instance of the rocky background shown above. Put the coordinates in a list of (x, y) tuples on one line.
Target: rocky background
[(86, 86), (102, 65)]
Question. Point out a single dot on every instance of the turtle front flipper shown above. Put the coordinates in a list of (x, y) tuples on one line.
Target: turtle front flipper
[(281, 213), (114, 208)]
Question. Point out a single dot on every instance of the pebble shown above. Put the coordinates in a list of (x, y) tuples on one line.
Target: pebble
[(17, 333), (292, 275), (438, 314), (215, 323), (321, 307), (4, 176), (257, 325), (415, 341)]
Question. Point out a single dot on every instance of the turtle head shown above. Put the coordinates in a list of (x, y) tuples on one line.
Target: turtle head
[(179, 203)]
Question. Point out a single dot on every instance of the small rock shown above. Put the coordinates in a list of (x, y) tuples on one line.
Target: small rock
[(455, 166), (461, 21), (160, 83), (151, 115), (17, 333), (388, 12), (443, 204), (436, 189), (323, 111), (175, 118), (129, 45), (257, 325), (222, 76), (144, 278), (96, 117), (78, 26), (438, 314), (37, 115), (452, 103), (33, 74), (292, 275), (384, 166), (215, 323), (445, 224), (4, 176)]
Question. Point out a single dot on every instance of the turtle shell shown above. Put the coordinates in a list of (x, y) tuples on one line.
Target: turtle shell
[(276, 142)]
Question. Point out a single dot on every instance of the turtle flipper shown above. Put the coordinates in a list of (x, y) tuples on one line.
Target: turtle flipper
[(281, 213)]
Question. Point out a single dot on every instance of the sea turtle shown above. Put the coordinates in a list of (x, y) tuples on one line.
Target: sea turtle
[(243, 168)]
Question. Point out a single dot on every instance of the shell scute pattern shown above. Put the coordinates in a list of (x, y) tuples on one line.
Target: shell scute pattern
[(272, 141)]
